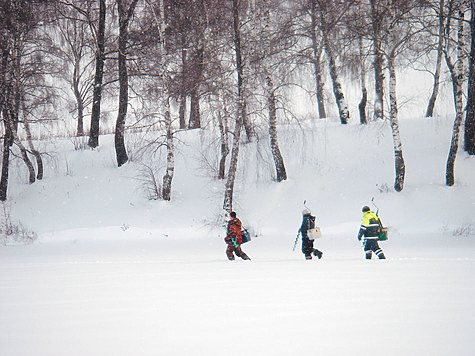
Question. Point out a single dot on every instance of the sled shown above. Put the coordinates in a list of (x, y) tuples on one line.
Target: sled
[(383, 234), (314, 233), (246, 237)]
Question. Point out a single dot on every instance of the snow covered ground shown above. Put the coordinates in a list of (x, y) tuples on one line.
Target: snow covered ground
[(113, 273)]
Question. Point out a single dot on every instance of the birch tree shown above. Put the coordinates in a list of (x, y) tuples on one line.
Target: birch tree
[(399, 34), (377, 21), (18, 22), (317, 60), (438, 62), (457, 74), (469, 141), (98, 28), (241, 109), (170, 165), (325, 27), (126, 9)]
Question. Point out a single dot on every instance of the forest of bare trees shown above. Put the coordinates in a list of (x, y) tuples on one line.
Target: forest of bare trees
[(170, 65)]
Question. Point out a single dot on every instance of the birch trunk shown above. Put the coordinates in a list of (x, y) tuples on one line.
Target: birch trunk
[(7, 142), (7, 134), (317, 54), (182, 109), (79, 100), (98, 77), (281, 174), (241, 113), (223, 129), (399, 164), (457, 82), (124, 18), (378, 62), (337, 90), (195, 120), (168, 177), (197, 75), (34, 151), (438, 64), (364, 92), (23, 152), (469, 141)]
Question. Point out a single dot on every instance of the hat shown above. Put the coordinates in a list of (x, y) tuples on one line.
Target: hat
[(365, 209), (306, 211)]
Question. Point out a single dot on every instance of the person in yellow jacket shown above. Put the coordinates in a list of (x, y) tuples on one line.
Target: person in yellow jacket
[(369, 232)]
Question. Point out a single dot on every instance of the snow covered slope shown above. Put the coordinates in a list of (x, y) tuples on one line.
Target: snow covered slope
[(113, 273)]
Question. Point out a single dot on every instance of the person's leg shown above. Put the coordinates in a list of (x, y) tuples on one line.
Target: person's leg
[(377, 251), (307, 247), (229, 251), (240, 253), (367, 249), (317, 253)]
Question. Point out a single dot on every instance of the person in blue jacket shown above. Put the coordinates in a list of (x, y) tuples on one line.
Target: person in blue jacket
[(308, 222)]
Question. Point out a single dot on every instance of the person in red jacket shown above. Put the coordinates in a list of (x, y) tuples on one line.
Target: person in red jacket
[(233, 238)]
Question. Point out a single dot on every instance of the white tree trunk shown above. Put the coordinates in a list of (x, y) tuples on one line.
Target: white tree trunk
[(241, 114), (399, 165), (168, 177), (281, 173), (457, 81)]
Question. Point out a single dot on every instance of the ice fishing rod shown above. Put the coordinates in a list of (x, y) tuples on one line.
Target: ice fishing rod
[(377, 209), (296, 240)]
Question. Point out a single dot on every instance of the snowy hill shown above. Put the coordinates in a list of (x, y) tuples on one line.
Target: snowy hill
[(114, 273), (336, 168)]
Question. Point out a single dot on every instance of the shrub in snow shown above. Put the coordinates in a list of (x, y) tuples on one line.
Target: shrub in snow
[(464, 230), (11, 232)]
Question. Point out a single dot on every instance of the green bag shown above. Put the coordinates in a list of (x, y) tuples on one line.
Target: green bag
[(382, 233)]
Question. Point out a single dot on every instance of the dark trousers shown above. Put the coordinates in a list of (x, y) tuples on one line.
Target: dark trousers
[(307, 246), (231, 249), (373, 246)]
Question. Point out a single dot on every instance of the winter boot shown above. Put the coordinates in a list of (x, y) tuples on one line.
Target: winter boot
[(245, 257), (231, 258), (308, 257), (318, 253), (368, 255), (381, 256)]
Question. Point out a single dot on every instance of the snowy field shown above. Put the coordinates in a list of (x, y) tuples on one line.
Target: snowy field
[(113, 273)]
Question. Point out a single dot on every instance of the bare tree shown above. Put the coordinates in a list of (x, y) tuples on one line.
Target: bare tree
[(75, 52), (317, 63), (438, 63), (325, 28), (126, 9), (281, 173), (399, 34), (364, 91), (170, 169), (18, 22), (377, 18), (241, 112), (457, 75), (470, 117), (98, 28)]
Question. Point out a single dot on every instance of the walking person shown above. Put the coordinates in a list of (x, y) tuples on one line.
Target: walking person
[(369, 231), (233, 238), (308, 222)]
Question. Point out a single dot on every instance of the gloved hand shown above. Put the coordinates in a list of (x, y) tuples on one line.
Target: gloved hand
[(360, 234)]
